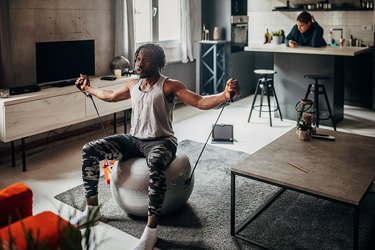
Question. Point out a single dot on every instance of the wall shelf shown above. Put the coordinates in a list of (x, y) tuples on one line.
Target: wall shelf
[(311, 10)]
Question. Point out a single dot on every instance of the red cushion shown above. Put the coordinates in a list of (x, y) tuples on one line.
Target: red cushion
[(16, 202), (48, 230)]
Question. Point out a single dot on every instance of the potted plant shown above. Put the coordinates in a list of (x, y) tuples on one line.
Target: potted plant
[(277, 37), (304, 130)]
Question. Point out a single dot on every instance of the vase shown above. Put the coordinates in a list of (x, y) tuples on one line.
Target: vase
[(276, 40), (217, 34)]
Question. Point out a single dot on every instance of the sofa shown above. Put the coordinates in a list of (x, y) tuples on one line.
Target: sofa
[(20, 229)]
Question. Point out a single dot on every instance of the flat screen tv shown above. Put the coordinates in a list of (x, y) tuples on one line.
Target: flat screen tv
[(64, 60)]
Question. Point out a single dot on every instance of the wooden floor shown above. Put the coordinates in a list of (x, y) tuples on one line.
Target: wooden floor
[(55, 167)]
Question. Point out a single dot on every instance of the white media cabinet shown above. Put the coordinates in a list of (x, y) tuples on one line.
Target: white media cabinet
[(51, 108)]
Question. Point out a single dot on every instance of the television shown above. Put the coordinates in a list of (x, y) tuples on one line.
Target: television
[(61, 61)]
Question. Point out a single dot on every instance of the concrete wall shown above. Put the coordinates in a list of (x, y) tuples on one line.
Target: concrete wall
[(352, 22), (34, 21)]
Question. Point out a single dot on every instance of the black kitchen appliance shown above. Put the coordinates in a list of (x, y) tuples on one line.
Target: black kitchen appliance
[(239, 36)]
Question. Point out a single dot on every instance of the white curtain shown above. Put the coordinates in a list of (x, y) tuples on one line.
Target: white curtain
[(186, 31), (124, 29), (6, 69)]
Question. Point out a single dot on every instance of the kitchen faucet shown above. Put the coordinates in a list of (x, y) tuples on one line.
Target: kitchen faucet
[(342, 40), (338, 29)]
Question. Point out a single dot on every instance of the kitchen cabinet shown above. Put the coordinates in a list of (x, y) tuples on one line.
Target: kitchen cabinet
[(291, 64), (358, 80)]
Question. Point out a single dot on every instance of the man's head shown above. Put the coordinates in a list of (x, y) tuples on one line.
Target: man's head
[(304, 21), (149, 59)]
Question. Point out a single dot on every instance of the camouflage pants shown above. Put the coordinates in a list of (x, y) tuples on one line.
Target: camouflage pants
[(158, 154)]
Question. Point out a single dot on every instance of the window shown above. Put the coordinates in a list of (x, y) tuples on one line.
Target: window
[(157, 20)]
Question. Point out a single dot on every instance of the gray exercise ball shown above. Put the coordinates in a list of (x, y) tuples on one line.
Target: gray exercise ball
[(129, 184)]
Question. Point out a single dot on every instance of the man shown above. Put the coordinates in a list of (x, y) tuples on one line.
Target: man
[(151, 134), (307, 32)]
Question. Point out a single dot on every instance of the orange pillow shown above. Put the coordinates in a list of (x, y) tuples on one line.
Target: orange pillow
[(48, 231), (16, 202)]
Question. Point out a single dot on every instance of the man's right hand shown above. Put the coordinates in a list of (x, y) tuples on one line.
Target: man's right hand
[(292, 44), (82, 81)]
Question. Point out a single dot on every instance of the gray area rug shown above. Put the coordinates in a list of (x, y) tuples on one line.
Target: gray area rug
[(294, 221)]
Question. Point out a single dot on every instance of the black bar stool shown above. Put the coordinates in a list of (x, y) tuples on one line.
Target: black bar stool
[(317, 89), (265, 86)]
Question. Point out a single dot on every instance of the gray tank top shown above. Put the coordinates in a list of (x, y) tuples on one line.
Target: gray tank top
[(152, 114)]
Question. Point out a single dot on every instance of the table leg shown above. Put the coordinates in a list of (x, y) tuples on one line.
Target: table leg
[(13, 154), (234, 231), (23, 149), (114, 123), (356, 227), (125, 118), (232, 204)]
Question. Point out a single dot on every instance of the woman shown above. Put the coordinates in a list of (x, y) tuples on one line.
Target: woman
[(307, 32)]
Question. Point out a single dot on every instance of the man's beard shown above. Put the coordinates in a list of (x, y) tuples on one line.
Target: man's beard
[(148, 73)]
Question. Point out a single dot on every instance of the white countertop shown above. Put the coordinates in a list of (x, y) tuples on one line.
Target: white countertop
[(332, 51), (213, 41)]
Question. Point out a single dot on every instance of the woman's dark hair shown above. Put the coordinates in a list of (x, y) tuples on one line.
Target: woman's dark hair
[(158, 54), (304, 17)]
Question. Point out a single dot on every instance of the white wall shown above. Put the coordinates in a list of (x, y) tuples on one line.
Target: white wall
[(262, 17)]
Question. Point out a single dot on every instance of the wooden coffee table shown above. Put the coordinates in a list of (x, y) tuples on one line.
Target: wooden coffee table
[(342, 170)]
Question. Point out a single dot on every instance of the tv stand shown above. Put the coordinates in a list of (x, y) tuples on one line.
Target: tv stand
[(30, 114)]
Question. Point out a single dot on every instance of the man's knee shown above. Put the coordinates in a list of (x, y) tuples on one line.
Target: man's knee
[(86, 148), (89, 147), (159, 157)]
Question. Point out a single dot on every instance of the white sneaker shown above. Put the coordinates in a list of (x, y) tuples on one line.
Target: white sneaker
[(88, 217)]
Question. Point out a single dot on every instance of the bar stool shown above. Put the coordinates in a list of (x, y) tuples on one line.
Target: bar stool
[(317, 89), (265, 85)]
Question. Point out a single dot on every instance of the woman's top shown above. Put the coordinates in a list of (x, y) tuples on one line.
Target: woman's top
[(312, 37)]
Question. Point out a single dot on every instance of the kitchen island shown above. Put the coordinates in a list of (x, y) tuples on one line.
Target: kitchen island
[(291, 64)]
